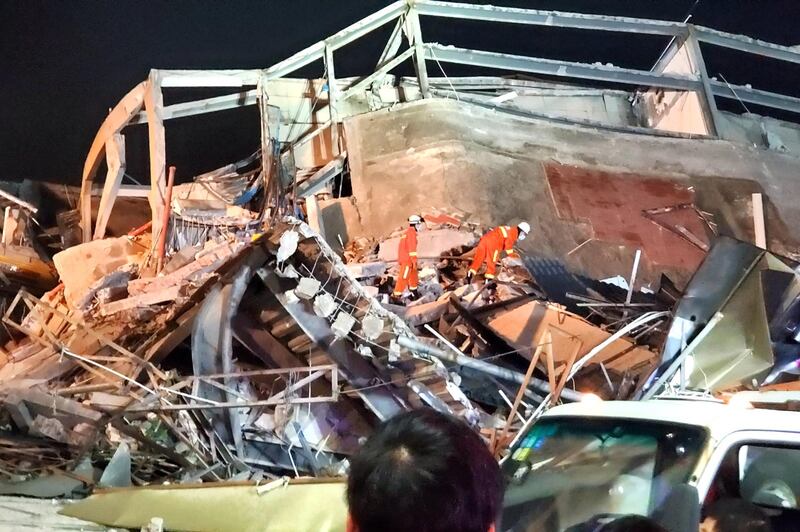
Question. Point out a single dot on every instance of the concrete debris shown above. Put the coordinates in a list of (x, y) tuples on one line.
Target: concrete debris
[(367, 269), (79, 267), (227, 339), (373, 326), (288, 242), (430, 244), (343, 324), (324, 305), (307, 288)]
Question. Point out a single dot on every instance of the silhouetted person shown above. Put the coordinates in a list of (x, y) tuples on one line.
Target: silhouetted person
[(423, 471)]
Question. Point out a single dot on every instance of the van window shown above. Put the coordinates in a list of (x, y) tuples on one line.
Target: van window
[(762, 475), (567, 471)]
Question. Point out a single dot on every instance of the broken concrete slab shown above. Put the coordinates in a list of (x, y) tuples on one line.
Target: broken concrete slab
[(341, 219), (363, 270), (430, 244), (205, 262), (421, 314), (81, 266), (169, 293), (49, 428), (66, 410)]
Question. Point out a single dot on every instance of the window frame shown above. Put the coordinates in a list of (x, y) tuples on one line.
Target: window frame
[(761, 438)]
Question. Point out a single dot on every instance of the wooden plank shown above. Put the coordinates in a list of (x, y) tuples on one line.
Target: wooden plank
[(180, 331), (24, 204), (793, 386), (549, 357), (518, 399), (144, 300), (115, 160), (13, 226), (154, 107), (565, 373), (97, 336), (759, 226), (108, 401)]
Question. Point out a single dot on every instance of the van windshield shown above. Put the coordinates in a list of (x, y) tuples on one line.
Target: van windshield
[(567, 471)]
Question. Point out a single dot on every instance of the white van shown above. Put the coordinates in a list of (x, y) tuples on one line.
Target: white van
[(666, 458)]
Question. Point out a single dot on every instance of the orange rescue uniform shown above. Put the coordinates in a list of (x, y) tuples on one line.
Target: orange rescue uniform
[(499, 239), (407, 259)]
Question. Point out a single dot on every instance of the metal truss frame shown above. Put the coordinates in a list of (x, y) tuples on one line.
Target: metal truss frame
[(144, 104)]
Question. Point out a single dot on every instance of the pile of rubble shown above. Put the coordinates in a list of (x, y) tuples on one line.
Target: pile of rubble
[(247, 348), (256, 351)]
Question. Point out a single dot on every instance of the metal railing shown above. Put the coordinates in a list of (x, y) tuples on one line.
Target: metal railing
[(144, 104)]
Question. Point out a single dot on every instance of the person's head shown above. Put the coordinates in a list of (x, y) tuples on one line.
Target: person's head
[(523, 229), (416, 221), (735, 515), (424, 471), (632, 523)]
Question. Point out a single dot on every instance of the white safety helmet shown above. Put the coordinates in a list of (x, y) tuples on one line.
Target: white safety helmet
[(524, 229), (415, 219)]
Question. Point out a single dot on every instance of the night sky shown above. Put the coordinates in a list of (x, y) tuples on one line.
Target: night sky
[(65, 63)]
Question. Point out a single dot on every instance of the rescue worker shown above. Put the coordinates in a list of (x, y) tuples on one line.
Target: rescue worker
[(407, 258), (492, 244)]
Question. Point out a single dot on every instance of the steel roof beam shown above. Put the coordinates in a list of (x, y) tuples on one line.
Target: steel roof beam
[(537, 17), (755, 96), (564, 69), (747, 44)]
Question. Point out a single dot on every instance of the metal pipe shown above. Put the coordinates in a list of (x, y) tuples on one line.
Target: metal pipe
[(141, 229), (479, 365), (162, 237)]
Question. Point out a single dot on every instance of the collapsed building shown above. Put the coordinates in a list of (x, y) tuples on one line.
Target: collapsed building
[(244, 332)]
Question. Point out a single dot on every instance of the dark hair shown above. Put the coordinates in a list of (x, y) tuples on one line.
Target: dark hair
[(424, 471), (632, 523), (738, 515)]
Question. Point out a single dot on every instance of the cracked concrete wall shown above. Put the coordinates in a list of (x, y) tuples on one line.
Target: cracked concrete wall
[(453, 155)]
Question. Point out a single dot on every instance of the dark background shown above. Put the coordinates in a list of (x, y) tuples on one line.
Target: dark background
[(65, 63)]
